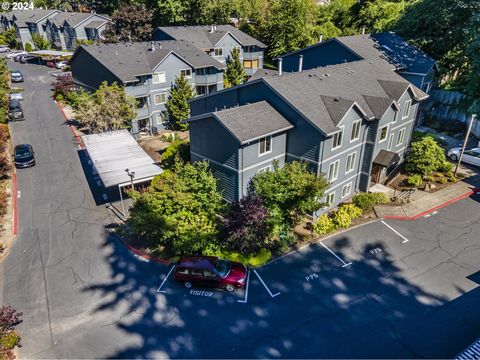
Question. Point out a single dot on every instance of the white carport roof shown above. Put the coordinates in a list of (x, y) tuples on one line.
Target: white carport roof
[(115, 151)]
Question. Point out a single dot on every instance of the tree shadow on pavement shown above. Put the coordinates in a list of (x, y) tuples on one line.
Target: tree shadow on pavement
[(369, 309)]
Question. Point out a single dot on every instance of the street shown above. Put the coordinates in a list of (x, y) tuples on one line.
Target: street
[(388, 289)]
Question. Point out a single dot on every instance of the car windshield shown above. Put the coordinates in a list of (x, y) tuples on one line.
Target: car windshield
[(222, 267), (15, 108), (16, 73), (23, 153)]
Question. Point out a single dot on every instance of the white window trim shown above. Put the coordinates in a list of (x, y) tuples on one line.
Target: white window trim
[(349, 185), (159, 82), (347, 171), (271, 146), (155, 98), (390, 142), (359, 128), (341, 138), (265, 168), (216, 54), (409, 109), (329, 203), (380, 134), (186, 76), (401, 134), (395, 117), (330, 166)]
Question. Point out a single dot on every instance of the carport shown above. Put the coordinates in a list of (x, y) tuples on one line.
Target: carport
[(51, 54), (119, 160)]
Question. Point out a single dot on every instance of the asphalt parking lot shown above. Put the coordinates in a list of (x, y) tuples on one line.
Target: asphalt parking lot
[(392, 289)]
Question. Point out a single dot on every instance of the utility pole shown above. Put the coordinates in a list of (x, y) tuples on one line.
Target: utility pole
[(472, 119), (132, 176)]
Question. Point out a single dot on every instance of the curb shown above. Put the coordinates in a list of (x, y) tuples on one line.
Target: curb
[(77, 138), (15, 215), (144, 256), (423, 213)]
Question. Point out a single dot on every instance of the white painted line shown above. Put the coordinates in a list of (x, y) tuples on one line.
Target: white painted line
[(427, 216), (405, 240), (435, 212), (163, 282), (244, 301), (19, 194), (266, 287), (338, 257)]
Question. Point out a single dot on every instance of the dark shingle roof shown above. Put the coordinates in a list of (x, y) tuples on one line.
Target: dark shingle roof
[(126, 60), (95, 24), (31, 16), (391, 48), (386, 158), (252, 121), (372, 86), (202, 36)]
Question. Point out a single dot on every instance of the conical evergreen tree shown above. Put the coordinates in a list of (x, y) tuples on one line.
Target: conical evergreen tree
[(235, 74), (177, 103)]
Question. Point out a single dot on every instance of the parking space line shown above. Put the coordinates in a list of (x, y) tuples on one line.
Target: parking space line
[(263, 283), (405, 240), (338, 257), (244, 301), (163, 282)]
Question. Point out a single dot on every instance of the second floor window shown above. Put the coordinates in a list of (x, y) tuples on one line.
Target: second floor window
[(401, 137), (160, 98), (265, 145), (159, 78), (383, 134), (250, 64), (350, 162), (337, 139), (333, 170), (355, 130), (406, 109), (186, 72), (218, 52)]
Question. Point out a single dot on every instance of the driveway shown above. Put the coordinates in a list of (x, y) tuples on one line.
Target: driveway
[(388, 289)]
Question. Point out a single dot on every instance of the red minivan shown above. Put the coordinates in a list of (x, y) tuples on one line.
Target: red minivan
[(210, 271)]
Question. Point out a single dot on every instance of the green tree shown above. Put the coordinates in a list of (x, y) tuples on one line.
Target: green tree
[(291, 192), (425, 157), (291, 25), (170, 12), (179, 209), (4, 90), (379, 15), (9, 37), (177, 104), (28, 47), (108, 109), (40, 42), (178, 150), (130, 22), (234, 74)]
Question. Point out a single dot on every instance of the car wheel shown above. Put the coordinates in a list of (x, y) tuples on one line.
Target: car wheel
[(188, 284), (230, 288), (453, 157)]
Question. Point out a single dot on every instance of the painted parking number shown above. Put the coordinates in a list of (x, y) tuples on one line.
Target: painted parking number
[(311, 277), (375, 251)]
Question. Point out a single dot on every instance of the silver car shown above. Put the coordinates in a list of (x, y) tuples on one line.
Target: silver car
[(470, 156)]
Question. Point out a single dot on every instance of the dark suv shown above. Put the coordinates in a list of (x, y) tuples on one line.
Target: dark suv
[(210, 271), (24, 156), (15, 112)]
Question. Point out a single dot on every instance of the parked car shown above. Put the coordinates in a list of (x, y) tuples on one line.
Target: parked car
[(210, 271), (27, 58), (16, 96), (15, 111), (61, 64), (15, 53), (24, 156), (50, 63), (4, 48), (470, 156), (16, 76), (17, 57), (61, 74)]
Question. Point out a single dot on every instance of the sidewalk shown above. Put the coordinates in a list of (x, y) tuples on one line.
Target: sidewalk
[(431, 201)]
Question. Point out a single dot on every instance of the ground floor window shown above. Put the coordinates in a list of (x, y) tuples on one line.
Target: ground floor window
[(346, 190), (265, 169), (330, 198)]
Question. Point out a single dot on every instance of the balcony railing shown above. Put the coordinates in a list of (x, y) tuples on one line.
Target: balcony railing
[(252, 55), (206, 79), (143, 112), (138, 90)]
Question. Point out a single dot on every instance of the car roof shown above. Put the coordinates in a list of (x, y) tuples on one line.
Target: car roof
[(15, 71), (23, 147), (197, 262)]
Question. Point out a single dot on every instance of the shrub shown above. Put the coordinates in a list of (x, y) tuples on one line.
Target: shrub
[(256, 259), (9, 340), (452, 179), (366, 201), (351, 209), (414, 180), (443, 180), (425, 157), (342, 218), (323, 225), (446, 167), (28, 47), (428, 178), (170, 137), (286, 238), (178, 150)]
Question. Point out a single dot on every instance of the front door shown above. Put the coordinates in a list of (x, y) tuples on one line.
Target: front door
[(375, 174)]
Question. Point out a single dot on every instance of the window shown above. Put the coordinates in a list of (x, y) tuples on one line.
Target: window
[(159, 78), (395, 117), (201, 90), (218, 52), (186, 72), (247, 64), (209, 274), (265, 145), (333, 171), (390, 142), (406, 109), (383, 134), (401, 137), (330, 198), (160, 98), (346, 190), (182, 271), (337, 140), (197, 272), (160, 119), (355, 130), (265, 169), (350, 162), (426, 87)]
